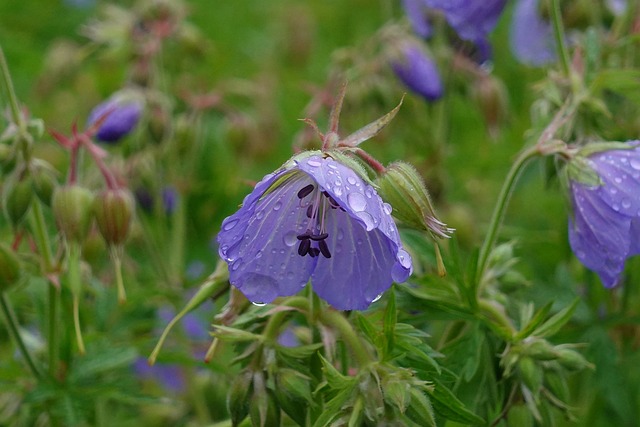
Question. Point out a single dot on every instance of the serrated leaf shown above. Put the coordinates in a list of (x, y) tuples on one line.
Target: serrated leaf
[(368, 329), (332, 407), (334, 378), (556, 321), (449, 406)]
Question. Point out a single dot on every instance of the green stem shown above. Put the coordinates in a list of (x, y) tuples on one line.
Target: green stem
[(500, 209), (336, 320), (8, 84), (12, 326), (558, 30)]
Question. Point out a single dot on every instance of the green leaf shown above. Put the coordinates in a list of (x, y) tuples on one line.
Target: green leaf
[(98, 362), (390, 320), (335, 379), (368, 329), (449, 406), (537, 319), (556, 321), (333, 407)]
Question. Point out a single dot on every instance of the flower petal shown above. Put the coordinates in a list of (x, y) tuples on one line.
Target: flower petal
[(620, 173), (472, 20), (360, 267), (599, 236), (531, 40), (262, 252)]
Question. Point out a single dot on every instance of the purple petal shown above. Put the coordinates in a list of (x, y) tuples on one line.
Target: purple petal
[(260, 243), (472, 19), (635, 237), (599, 236), (532, 40), (360, 268), (418, 72), (416, 11), (620, 174)]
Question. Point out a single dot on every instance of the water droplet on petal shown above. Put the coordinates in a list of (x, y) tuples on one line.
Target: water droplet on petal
[(258, 304), (337, 191), (377, 298), (615, 207), (224, 249), (626, 203), (259, 254), (340, 234), (359, 241), (367, 219), (236, 264), (351, 180), (290, 238), (369, 192), (229, 224), (357, 202), (613, 190), (332, 165), (277, 206), (313, 163), (260, 214), (387, 208), (635, 163), (404, 258)]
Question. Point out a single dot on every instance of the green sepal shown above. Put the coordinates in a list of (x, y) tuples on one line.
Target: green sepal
[(71, 207)]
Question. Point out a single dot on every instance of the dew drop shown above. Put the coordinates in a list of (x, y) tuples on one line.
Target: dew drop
[(618, 180), (338, 183), (359, 242), (340, 234), (332, 165), (290, 274), (258, 304), (229, 224), (387, 208), (337, 191), (635, 163), (626, 203), (351, 180), (290, 238), (404, 258), (615, 207), (224, 249), (369, 192), (613, 190), (313, 163), (357, 202), (236, 264), (367, 219), (259, 254), (377, 298), (260, 214), (277, 206)]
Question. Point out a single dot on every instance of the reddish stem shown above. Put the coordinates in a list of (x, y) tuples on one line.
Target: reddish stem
[(375, 165)]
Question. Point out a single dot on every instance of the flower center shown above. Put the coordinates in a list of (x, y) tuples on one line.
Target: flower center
[(313, 241)]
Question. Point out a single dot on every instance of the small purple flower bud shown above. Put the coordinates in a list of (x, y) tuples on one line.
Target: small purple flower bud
[(417, 70), (605, 228), (416, 11), (122, 115), (171, 377), (170, 199)]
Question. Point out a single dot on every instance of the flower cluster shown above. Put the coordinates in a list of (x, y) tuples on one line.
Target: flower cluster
[(605, 228)]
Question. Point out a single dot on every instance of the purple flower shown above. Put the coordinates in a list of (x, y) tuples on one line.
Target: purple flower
[(416, 11), (418, 72), (532, 41), (605, 228), (146, 200), (314, 218), (122, 116), (473, 20), (170, 376)]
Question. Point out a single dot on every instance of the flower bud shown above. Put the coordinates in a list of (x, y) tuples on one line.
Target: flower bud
[(403, 188), (530, 373), (293, 392), (238, 397), (491, 97), (541, 350), (44, 182), (120, 115), (572, 360), (418, 71), (9, 268), (18, 195), (113, 211), (71, 206)]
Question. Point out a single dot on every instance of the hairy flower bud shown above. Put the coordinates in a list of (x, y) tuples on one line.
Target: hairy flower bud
[(531, 373), (17, 195), (113, 210), (9, 268), (238, 396), (71, 206), (403, 188)]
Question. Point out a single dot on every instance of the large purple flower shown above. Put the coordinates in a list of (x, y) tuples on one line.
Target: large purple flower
[(605, 228), (318, 219), (418, 72), (122, 116), (532, 40)]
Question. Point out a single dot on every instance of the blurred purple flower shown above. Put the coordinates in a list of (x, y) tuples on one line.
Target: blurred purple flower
[(169, 199), (288, 338), (532, 41), (169, 376), (617, 7), (417, 70), (315, 219), (473, 20), (416, 11), (605, 228), (145, 199), (122, 116)]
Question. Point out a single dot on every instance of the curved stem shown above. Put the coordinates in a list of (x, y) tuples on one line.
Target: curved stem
[(558, 30), (12, 326), (336, 320), (501, 207), (11, 93)]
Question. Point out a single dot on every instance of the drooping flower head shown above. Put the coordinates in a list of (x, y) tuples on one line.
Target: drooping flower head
[(532, 41), (605, 228), (120, 113), (315, 218), (417, 70)]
